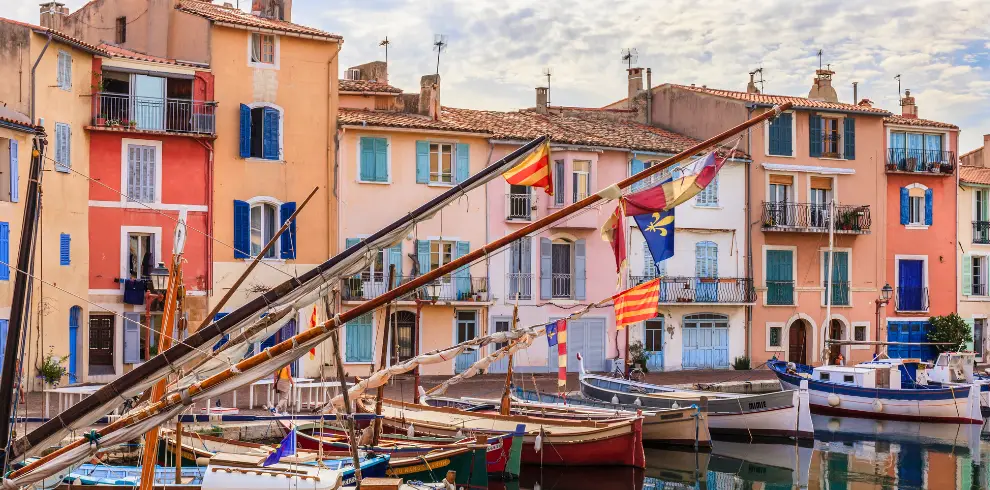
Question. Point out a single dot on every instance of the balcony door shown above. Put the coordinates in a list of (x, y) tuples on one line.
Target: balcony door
[(520, 201), (148, 102), (562, 268), (910, 285), (706, 270)]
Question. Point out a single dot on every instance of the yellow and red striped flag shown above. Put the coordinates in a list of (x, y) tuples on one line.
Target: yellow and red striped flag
[(533, 170), (312, 324), (562, 356), (637, 304)]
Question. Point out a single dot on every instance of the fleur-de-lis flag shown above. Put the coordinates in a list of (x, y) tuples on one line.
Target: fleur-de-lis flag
[(658, 231)]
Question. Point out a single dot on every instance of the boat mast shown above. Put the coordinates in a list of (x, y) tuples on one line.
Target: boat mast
[(349, 416), (828, 282), (381, 360), (20, 305), (506, 406)]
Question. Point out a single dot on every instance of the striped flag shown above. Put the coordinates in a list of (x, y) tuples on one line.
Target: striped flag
[(312, 324), (533, 170), (694, 179), (614, 232), (561, 355), (637, 304)]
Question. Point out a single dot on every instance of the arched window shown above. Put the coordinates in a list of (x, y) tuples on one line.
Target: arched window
[(264, 224), (403, 336), (706, 259), (706, 320)]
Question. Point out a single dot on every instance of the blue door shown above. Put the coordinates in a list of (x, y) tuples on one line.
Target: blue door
[(653, 343), (910, 288), (467, 329), (501, 365), (75, 313), (586, 336), (909, 332), (705, 342)]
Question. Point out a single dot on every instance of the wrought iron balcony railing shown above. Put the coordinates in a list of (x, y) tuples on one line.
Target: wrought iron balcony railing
[(808, 217), (447, 288), (981, 232), (155, 113), (562, 285), (519, 206), (780, 292), (840, 292), (912, 298), (518, 283), (702, 289), (921, 161)]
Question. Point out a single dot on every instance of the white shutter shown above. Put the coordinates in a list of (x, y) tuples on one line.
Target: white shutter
[(649, 267), (132, 169), (149, 172)]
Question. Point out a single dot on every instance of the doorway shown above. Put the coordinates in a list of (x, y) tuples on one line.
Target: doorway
[(835, 332), (797, 342), (403, 336), (101, 344)]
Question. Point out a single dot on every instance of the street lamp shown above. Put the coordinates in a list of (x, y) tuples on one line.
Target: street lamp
[(885, 293), (433, 290), (159, 277)]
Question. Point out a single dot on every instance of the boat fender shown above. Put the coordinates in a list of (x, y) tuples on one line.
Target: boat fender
[(615, 399), (833, 425), (638, 402), (538, 444), (459, 434), (834, 400), (411, 430), (202, 461), (877, 406), (675, 406)]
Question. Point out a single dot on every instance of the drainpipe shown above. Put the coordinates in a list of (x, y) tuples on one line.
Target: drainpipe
[(35, 67), (748, 235), (649, 97)]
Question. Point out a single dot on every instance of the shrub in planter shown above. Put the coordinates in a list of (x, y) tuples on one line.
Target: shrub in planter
[(741, 363)]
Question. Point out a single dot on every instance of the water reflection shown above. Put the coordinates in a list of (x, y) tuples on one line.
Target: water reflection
[(847, 454)]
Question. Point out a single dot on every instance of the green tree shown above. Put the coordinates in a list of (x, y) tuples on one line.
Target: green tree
[(949, 328)]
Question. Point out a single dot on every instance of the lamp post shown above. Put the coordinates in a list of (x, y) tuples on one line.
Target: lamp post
[(882, 301), (157, 279), (433, 292)]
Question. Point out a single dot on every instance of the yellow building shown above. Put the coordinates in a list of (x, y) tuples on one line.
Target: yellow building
[(56, 99)]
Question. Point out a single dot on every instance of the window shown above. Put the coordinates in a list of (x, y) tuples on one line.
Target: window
[(64, 70), (520, 203), (830, 142), (561, 269), (582, 179), (261, 129), (706, 259), (140, 255), (839, 277), (652, 269), (558, 183), (263, 48), (352, 74), (708, 197), (501, 325), (916, 209), (63, 147), (825, 376), (981, 205), (776, 336), (653, 335), (5, 251), (780, 277), (120, 34), (263, 228), (777, 210), (467, 322), (441, 163), (780, 141), (848, 378), (821, 196), (359, 335), (374, 160), (376, 271), (520, 269), (440, 254), (141, 173), (9, 182), (979, 270), (916, 205), (64, 249), (916, 152), (859, 333), (979, 326)]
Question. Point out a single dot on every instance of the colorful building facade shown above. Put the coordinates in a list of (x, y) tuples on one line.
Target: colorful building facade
[(974, 244)]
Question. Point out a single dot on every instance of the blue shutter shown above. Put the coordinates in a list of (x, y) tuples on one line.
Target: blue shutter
[(462, 170), (815, 135), (348, 243), (368, 159), (773, 142), (75, 313), (132, 338), (928, 206), (5, 251), (226, 337), (14, 193), (423, 255), (636, 166), (4, 325), (422, 162), (849, 137), (381, 160), (288, 239), (463, 275), (780, 135), (63, 249), (360, 339), (242, 229), (269, 148), (580, 269), (395, 257), (904, 205), (245, 146), (546, 268)]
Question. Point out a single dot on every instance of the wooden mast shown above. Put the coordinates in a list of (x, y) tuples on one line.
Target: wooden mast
[(506, 406), (351, 433), (332, 324), (381, 360)]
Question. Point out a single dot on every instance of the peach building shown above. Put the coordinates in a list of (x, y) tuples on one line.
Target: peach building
[(974, 244)]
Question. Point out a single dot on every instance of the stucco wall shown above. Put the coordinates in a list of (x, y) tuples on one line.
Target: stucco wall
[(15, 57), (969, 307), (697, 115)]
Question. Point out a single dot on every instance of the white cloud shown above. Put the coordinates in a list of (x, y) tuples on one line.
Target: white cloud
[(498, 48)]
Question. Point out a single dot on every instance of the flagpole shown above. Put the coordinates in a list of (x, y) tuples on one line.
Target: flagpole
[(828, 283)]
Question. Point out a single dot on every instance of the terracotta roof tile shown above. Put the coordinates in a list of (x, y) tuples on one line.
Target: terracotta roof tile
[(367, 86), (768, 99), (908, 121), (232, 15), (119, 52), (57, 35), (974, 175)]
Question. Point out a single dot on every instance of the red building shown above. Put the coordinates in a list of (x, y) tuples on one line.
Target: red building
[(151, 146)]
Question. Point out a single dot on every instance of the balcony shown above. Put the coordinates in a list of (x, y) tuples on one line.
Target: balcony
[(128, 112), (914, 161), (981, 232), (701, 289), (561, 286), (840, 292), (912, 298), (518, 284), (450, 289), (519, 207), (780, 292), (814, 218)]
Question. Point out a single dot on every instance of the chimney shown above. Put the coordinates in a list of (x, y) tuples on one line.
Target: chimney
[(908, 107), (822, 89), (429, 96), (635, 84), (751, 86), (52, 15), (855, 92), (541, 99), (272, 9)]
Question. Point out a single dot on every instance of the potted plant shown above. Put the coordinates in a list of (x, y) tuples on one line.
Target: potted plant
[(113, 123), (891, 166), (101, 120), (638, 356), (132, 124), (946, 168)]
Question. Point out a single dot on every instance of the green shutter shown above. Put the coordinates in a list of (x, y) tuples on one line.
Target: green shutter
[(422, 162), (779, 277), (815, 135), (360, 339), (972, 333), (462, 168), (967, 275), (381, 160), (367, 159), (423, 255)]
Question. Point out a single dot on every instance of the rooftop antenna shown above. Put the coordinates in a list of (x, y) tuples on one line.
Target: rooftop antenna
[(548, 72), (898, 78), (384, 43), (439, 45), (629, 57), (760, 81)]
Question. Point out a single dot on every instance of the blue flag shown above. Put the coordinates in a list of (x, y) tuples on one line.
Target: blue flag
[(285, 448), (658, 231), (551, 329)]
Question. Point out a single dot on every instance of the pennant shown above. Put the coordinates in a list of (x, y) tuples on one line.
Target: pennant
[(614, 232), (637, 304), (312, 324), (533, 170), (285, 448), (658, 231), (561, 329), (551, 330), (666, 196)]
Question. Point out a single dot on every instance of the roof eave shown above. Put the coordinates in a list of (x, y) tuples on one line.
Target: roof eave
[(830, 110), (24, 128), (233, 25), (363, 92), (44, 31), (406, 129)]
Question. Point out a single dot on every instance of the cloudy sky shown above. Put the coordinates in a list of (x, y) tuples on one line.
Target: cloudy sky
[(498, 49)]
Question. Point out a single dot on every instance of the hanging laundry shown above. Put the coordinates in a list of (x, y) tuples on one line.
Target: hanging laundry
[(134, 291)]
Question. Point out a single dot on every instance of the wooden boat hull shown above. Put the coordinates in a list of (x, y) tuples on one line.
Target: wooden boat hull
[(469, 463), (621, 447), (958, 405)]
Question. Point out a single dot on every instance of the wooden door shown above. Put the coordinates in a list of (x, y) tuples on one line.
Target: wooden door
[(834, 333), (797, 343), (101, 340)]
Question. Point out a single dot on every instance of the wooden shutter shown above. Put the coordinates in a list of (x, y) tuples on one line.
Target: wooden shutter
[(786, 127), (928, 206), (270, 143), (821, 183), (14, 179), (64, 241), (462, 169), (381, 160), (5, 251), (580, 269), (849, 138), (242, 229), (423, 255), (422, 162), (395, 257), (905, 203), (558, 182), (287, 240), (132, 338), (967, 274), (527, 255), (463, 275), (781, 179), (546, 268), (348, 243), (815, 135), (360, 339), (636, 166), (367, 172), (245, 144), (147, 167)]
